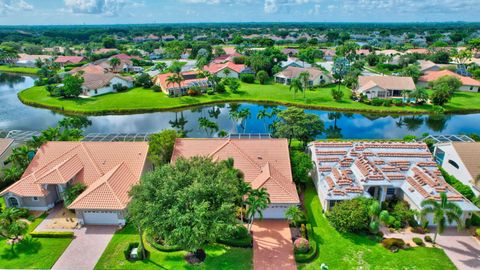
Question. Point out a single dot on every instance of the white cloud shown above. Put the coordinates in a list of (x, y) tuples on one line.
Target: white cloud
[(7, 6), (105, 7)]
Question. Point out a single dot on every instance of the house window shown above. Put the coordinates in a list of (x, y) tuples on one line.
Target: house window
[(35, 198), (331, 203), (471, 88), (454, 164), (390, 191), (13, 202), (96, 92)]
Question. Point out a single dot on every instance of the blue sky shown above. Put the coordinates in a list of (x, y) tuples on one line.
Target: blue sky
[(14, 12)]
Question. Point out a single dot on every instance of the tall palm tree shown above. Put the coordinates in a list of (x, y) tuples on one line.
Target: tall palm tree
[(175, 79), (257, 201), (19, 156), (114, 63), (245, 189), (443, 212), (304, 77), (296, 86), (12, 174)]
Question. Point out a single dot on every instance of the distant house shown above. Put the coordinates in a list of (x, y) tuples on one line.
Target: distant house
[(89, 68), (363, 52), (168, 37), (190, 79), (468, 84), (317, 76), (65, 60), (290, 51), (418, 51), (427, 65), (328, 54), (265, 163), (234, 70), (389, 52), (157, 54), (105, 50), (294, 62), (384, 86), (126, 64), (460, 159), (153, 37), (101, 83), (30, 60)]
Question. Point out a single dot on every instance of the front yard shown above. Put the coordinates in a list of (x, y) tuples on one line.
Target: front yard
[(32, 252), (218, 256), (352, 251)]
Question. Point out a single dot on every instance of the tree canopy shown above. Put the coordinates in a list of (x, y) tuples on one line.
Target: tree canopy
[(294, 123)]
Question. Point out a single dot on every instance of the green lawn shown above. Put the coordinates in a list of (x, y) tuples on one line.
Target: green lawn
[(25, 70), (351, 251), (218, 256), (32, 252)]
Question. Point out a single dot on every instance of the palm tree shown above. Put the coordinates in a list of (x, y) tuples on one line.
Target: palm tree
[(262, 115), (226, 72), (443, 212), (294, 215), (245, 189), (296, 85), (207, 125), (257, 201), (114, 63), (12, 174), (19, 156), (304, 77), (175, 79), (11, 227), (419, 94)]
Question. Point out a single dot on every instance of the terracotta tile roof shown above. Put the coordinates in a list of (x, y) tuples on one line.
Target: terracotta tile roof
[(385, 82), (469, 153), (33, 57), (418, 50), (99, 80), (264, 162), (293, 72), (69, 59), (215, 68), (161, 80), (434, 75), (5, 144), (90, 163), (89, 68)]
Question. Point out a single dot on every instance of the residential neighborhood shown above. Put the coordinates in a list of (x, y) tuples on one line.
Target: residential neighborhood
[(242, 135)]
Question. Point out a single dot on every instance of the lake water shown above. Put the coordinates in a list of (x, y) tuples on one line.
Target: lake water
[(15, 115)]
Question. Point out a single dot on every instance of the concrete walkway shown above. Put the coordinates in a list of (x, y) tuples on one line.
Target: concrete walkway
[(462, 248), (272, 245), (87, 247)]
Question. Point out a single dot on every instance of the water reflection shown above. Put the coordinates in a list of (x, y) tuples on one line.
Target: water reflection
[(231, 118)]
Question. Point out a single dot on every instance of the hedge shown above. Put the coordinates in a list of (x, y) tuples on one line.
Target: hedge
[(52, 234), (459, 186), (246, 242), (312, 252), (160, 247), (128, 249)]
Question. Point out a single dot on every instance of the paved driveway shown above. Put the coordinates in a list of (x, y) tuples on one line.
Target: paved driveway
[(460, 247), (87, 247), (272, 245)]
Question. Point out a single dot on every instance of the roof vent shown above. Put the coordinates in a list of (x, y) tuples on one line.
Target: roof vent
[(259, 157)]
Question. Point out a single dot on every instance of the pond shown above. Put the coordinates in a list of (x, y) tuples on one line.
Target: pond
[(15, 115)]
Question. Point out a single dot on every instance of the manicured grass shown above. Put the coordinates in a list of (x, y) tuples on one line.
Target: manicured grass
[(352, 251), (218, 256), (2, 203), (32, 252), (25, 70)]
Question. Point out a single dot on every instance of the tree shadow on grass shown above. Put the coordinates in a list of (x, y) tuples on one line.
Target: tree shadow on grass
[(28, 246)]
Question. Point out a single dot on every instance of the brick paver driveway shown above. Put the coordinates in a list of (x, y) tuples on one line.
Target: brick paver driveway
[(272, 245), (87, 247)]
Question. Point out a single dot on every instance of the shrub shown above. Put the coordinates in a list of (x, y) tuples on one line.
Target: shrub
[(377, 102), (240, 238), (247, 78), (221, 88), (301, 245), (24, 212), (310, 255), (393, 243), (158, 246), (240, 232), (210, 92), (387, 102), (418, 241), (120, 87), (398, 102), (428, 239), (350, 216), (420, 230), (192, 92), (51, 234), (303, 231), (156, 88), (262, 77)]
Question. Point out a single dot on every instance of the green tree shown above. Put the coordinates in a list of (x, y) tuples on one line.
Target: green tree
[(234, 85), (451, 83), (420, 94), (175, 79), (295, 86), (161, 146), (441, 94), (262, 77), (304, 78), (207, 125), (341, 67), (347, 50), (411, 71), (350, 215), (193, 198), (443, 212), (72, 86), (114, 63), (257, 201), (301, 165), (144, 80), (294, 123), (11, 174), (11, 227), (377, 215), (337, 94)]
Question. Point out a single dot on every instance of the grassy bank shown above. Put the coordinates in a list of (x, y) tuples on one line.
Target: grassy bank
[(353, 251), (24, 70), (218, 256), (139, 100)]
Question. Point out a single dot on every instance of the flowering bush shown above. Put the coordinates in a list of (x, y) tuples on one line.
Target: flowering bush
[(301, 245), (14, 241)]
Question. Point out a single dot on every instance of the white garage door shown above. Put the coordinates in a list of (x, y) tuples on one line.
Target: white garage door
[(100, 217), (275, 212)]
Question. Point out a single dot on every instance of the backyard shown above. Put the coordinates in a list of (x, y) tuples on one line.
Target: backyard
[(218, 256), (24, 70), (32, 252), (353, 251)]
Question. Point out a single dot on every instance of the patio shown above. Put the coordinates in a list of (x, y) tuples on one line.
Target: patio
[(58, 219)]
